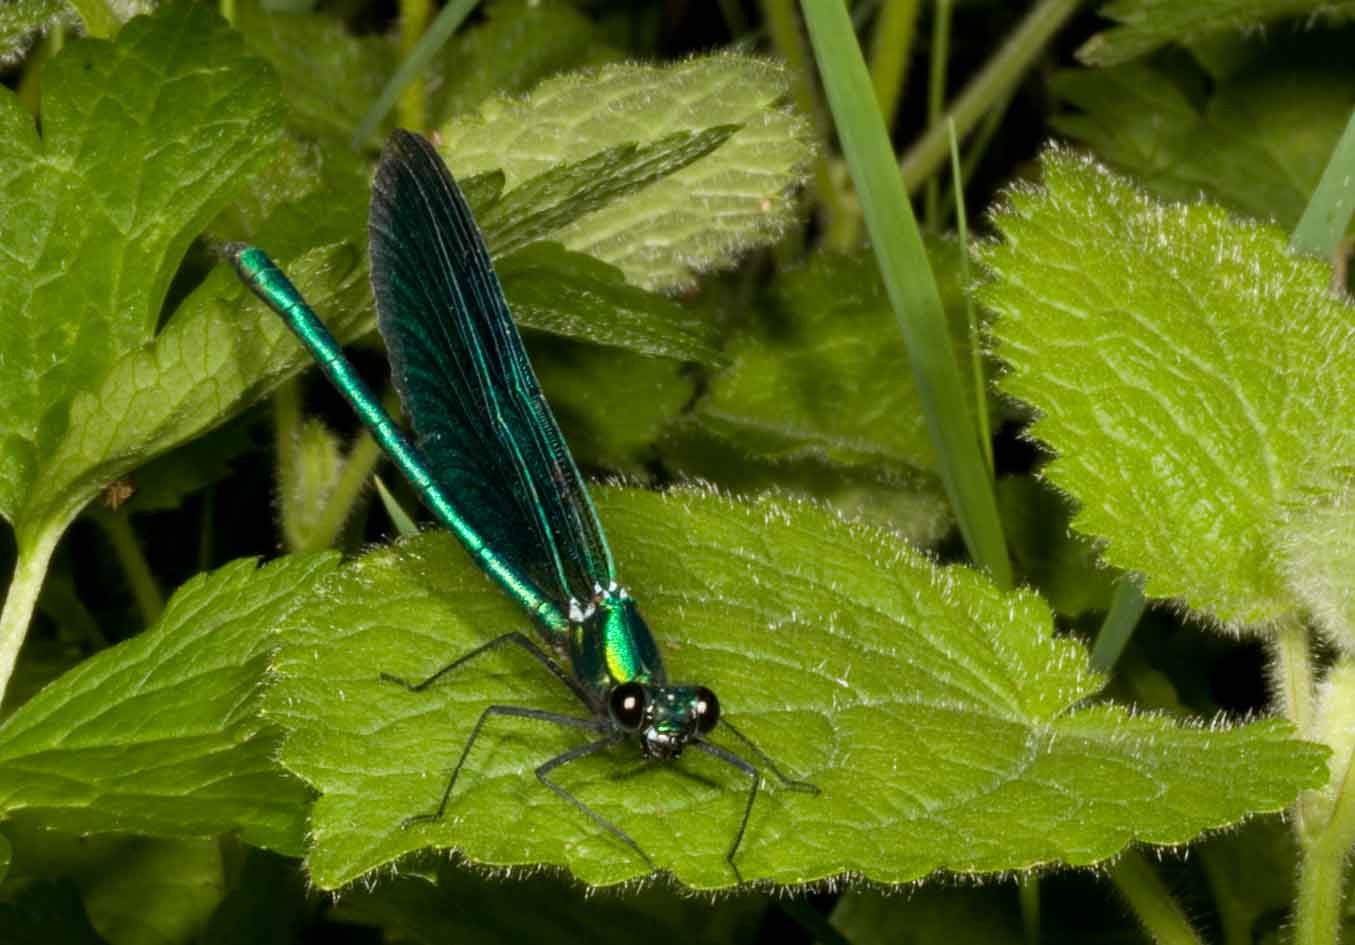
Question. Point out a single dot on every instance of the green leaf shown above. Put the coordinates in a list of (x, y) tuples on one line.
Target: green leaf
[(1257, 143), (328, 75), (221, 352), (612, 405), (161, 734), (299, 168), (143, 141), (1060, 564), (731, 201), (1319, 546), (555, 198), (21, 20), (6, 856), (516, 44), (1194, 378), (157, 891), (1146, 25), (912, 505), (939, 716), (822, 373), (545, 909), (576, 296)]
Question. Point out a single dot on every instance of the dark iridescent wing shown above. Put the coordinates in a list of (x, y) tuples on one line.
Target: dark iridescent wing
[(457, 360)]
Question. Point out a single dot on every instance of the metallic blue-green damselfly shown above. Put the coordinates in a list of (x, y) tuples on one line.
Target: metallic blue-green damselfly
[(490, 463)]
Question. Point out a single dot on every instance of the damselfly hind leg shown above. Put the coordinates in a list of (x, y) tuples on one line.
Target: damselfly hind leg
[(520, 712), (517, 638)]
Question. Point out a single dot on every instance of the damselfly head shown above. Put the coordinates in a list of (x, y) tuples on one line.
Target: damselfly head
[(665, 718)]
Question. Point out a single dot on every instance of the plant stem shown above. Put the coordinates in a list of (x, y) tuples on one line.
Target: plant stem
[(1126, 607), (145, 591), (361, 459), (891, 44), (987, 88), (1028, 891), (1235, 915), (910, 283), (839, 217), (287, 435), (1292, 672), (1146, 894), (413, 24), (936, 100), (29, 570), (1326, 821)]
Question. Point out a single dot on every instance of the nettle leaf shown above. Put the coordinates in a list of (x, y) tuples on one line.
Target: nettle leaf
[(516, 44), (1319, 546), (21, 20), (553, 199), (299, 169), (912, 505), (143, 141), (1146, 25), (615, 425), (939, 716), (1060, 563), (821, 371), (1257, 144), (161, 734), (220, 352), (735, 199), (573, 295), (1196, 380)]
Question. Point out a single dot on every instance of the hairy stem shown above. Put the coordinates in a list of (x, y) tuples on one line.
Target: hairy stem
[(1292, 673), (1326, 821), (1147, 895), (145, 591), (358, 465)]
